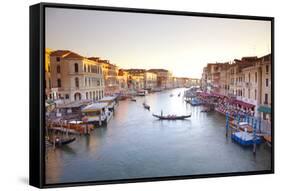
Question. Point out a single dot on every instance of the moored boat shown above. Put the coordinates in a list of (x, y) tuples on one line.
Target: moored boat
[(171, 117), (245, 138), (142, 92), (59, 141), (146, 106)]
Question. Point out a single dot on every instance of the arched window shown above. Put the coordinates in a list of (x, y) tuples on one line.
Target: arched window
[(76, 67), (89, 68), (58, 69), (85, 81), (59, 83), (77, 96), (94, 95), (86, 95), (85, 68), (77, 82)]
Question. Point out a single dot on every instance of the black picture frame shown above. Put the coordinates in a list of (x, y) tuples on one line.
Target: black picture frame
[(37, 95)]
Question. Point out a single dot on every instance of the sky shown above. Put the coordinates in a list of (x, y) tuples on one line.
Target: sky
[(181, 44)]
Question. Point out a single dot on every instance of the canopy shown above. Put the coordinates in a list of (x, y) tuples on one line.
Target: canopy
[(242, 103), (94, 107), (218, 95), (108, 99), (264, 109), (204, 94)]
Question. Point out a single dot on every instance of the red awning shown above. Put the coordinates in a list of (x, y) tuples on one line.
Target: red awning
[(204, 94), (218, 95), (243, 104)]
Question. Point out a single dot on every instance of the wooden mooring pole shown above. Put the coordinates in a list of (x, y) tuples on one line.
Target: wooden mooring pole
[(227, 124)]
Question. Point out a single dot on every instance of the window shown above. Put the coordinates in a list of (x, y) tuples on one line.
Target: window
[(85, 81), (58, 59), (77, 82), (98, 83), (255, 94), (89, 68), (266, 99), (89, 81), (59, 83), (256, 77), (58, 69), (76, 67), (249, 76), (266, 82), (49, 82), (86, 95), (90, 95), (266, 69), (85, 68), (66, 96)]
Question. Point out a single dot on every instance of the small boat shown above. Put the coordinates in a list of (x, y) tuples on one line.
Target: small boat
[(171, 117), (142, 92), (245, 138), (187, 101), (133, 99), (146, 106), (196, 102), (179, 94), (206, 109), (62, 141)]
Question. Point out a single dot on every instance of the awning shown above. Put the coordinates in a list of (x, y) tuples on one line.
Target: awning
[(94, 107), (243, 104), (218, 95), (204, 94), (264, 109)]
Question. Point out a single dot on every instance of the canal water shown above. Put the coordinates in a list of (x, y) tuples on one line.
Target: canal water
[(136, 145)]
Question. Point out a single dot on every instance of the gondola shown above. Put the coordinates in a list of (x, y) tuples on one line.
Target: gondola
[(62, 141), (187, 101), (133, 99), (146, 106), (171, 117)]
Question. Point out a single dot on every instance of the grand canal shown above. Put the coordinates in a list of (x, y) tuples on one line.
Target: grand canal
[(135, 144)]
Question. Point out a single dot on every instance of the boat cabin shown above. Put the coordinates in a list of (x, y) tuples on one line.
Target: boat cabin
[(97, 113)]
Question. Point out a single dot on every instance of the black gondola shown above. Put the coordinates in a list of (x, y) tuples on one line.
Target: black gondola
[(171, 117), (62, 141), (146, 106)]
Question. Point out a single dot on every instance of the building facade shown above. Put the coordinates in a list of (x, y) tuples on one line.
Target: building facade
[(48, 84), (110, 76), (150, 80), (74, 77), (164, 78), (247, 80)]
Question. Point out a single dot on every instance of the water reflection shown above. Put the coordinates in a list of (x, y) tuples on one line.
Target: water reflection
[(136, 145)]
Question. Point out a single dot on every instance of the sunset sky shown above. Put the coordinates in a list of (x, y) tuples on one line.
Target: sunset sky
[(182, 44)]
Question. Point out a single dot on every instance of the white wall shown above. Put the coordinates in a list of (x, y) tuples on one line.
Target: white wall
[(14, 94)]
